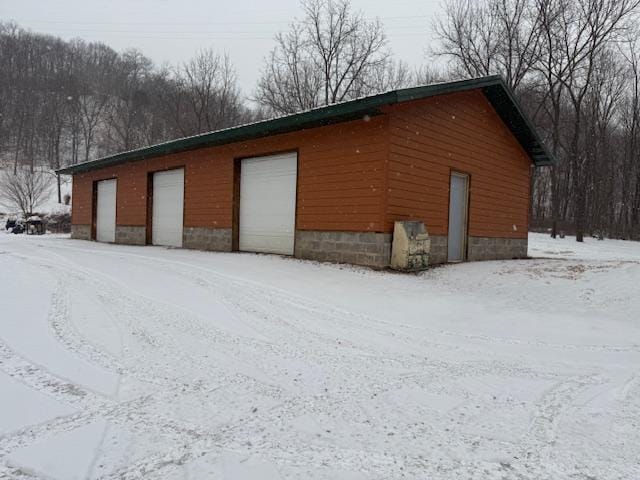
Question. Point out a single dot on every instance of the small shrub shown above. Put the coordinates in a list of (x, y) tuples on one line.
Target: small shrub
[(58, 222)]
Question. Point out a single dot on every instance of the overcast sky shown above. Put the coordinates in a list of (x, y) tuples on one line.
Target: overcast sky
[(173, 30)]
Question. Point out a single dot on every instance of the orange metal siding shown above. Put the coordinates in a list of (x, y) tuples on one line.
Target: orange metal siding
[(460, 132), (340, 179)]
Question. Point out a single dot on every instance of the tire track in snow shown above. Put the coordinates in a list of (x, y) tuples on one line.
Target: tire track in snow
[(8, 471), (542, 437), (150, 309), (117, 413), (295, 407), (258, 301), (180, 457), (68, 335), (554, 403), (273, 291), (255, 306), (628, 413), (263, 296), (42, 380), (74, 342), (265, 300), (462, 369), (126, 309), (92, 406), (123, 307)]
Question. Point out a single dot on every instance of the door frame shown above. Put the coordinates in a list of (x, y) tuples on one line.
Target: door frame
[(237, 176), (149, 222), (94, 205), (467, 204)]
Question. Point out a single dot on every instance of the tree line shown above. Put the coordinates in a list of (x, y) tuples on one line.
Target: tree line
[(573, 64), (68, 102)]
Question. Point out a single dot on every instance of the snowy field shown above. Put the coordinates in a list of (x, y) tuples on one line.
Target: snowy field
[(124, 362)]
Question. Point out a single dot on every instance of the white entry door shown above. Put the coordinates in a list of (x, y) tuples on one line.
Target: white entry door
[(167, 209), (458, 200), (106, 211), (268, 203)]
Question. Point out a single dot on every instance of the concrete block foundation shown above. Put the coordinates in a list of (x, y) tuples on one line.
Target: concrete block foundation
[(369, 249), (81, 232), (131, 235), (215, 239), (484, 248), (438, 252), (359, 248)]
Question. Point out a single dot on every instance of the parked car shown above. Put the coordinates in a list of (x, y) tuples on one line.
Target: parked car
[(14, 224), (11, 222)]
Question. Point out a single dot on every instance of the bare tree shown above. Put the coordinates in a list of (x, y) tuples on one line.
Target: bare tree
[(427, 74), (204, 95), (24, 190), (561, 57), (490, 37), (66, 102), (95, 90), (126, 113), (628, 220), (389, 75), (584, 29), (331, 55)]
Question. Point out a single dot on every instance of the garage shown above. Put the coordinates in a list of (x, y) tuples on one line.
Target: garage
[(329, 184), (168, 208), (106, 211), (268, 203)]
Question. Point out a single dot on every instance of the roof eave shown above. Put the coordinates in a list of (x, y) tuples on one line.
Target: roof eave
[(509, 111), (519, 124), (311, 119)]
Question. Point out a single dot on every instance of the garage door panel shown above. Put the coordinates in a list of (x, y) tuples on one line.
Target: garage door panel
[(106, 211), (268, 204), (168, 208)]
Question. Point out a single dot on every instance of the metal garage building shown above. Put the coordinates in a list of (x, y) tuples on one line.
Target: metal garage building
[(329, 183)]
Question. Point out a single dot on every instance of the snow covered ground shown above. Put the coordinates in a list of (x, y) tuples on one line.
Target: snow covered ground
[(124, 362)]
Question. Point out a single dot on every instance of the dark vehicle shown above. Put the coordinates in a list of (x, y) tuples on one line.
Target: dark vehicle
[(11, 223)]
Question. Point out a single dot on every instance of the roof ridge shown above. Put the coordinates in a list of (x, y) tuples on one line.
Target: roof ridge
[(347, 110)]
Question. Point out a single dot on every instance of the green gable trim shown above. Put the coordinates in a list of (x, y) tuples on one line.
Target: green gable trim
[(493, 87)]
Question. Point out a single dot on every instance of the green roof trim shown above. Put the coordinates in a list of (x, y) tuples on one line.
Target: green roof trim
[(493, 87)]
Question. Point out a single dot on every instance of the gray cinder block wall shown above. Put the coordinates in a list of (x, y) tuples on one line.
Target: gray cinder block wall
[(438, 252), (215, 239), (131, 235), (359, 248), (365, 248), (486, 248), (81, 232)]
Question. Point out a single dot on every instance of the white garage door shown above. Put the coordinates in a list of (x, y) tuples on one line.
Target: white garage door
[(106, 211), (167, 211), (268, 203)]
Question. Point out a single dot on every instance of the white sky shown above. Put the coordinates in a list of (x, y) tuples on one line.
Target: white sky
[(173, 30)]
